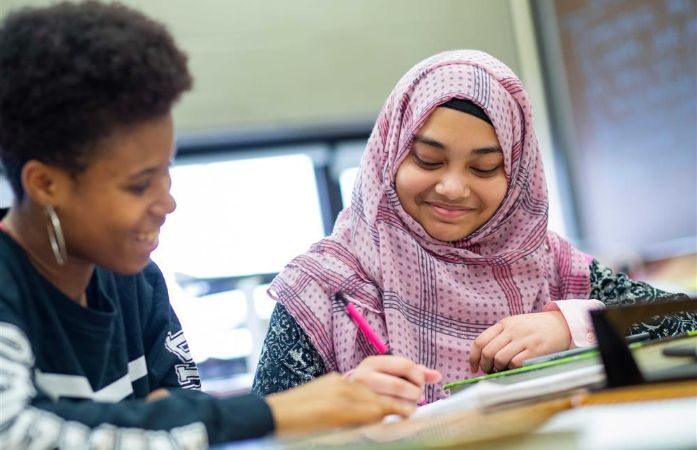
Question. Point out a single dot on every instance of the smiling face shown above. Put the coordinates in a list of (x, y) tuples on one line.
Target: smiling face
[(112, 212), (453, 180)]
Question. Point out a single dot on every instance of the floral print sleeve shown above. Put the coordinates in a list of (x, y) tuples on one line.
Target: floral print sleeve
[(618, 289), (288, 358)]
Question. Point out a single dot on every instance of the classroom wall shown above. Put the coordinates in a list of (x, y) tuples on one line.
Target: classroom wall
[(308, 61), (286, 63)]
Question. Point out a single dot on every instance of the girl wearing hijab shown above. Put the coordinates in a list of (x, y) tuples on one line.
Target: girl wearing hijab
[(444, 248), (91, 352)]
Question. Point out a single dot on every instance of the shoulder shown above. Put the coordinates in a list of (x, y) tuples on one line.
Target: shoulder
[(14, 269), (10, 252), (18, 286)]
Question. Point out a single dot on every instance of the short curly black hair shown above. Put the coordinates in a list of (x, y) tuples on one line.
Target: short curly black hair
[(73, 73)]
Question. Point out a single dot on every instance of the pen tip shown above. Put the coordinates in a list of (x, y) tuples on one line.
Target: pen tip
[(339, 296)]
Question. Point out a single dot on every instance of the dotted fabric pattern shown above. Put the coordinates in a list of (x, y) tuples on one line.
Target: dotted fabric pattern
[(430, 299), (289, 359)]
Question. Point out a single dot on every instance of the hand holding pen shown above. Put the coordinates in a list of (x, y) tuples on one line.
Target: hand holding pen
[(387, 374)]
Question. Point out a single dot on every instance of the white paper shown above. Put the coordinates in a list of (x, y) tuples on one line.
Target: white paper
[(488, 393)]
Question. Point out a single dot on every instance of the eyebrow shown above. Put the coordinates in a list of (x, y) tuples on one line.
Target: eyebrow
[(487, 150), (440, 145), (150, 170), (145, 172)]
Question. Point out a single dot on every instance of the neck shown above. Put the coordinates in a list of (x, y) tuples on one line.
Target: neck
[(27, 226)]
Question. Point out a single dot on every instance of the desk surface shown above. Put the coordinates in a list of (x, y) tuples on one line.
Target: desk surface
[(657, 422), (641, 417)]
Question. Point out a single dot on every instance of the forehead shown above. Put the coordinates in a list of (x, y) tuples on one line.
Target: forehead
[(454, 127), (128, 148), (423, 90)]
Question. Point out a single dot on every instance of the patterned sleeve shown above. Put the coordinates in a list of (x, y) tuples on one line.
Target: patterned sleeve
[(618, 289), (288, 358)]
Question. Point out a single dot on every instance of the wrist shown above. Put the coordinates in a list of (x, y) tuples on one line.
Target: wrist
[(563, 326), (280, 417), (576, 313)]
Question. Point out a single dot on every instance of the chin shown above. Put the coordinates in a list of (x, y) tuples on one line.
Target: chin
[(447, 236), (130, 267)]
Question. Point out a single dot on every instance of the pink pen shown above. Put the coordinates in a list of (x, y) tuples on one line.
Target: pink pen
[(368, 332), (363, 326)]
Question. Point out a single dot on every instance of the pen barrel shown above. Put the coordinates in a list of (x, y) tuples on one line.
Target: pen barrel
[(366, 330)]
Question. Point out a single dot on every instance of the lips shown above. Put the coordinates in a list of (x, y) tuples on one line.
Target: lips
[(449, 211), (149, 240)]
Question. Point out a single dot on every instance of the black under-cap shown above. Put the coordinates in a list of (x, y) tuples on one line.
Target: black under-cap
[(467, 107)]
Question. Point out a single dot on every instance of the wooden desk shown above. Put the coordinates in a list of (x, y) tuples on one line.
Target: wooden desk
[(659, 415), (646, 416)]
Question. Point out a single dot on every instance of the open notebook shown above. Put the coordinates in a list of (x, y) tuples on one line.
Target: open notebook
[(489, 393)]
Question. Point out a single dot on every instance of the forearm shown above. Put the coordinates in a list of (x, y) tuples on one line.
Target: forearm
[(185, 418), (614, 289), (288, 358)]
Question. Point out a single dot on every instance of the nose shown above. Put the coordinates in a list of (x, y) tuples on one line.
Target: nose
[(169, 204), (453, 186), (164, 206)]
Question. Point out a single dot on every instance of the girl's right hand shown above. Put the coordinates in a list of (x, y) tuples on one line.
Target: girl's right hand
[(395, 376), (330, 401)]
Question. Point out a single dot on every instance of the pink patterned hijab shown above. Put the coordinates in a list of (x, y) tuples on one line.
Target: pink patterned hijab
[(430, 299)]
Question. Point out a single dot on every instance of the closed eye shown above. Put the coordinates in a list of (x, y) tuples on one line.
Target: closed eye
[(485, 172), (428, 165), (139, 189)]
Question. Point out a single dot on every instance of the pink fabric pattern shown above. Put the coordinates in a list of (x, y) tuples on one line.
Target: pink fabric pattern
[(426, 298)]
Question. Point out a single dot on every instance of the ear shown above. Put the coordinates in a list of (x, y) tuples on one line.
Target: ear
[(43, 183)]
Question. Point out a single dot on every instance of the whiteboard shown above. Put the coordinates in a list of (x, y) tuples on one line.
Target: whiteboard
[(623, 94)]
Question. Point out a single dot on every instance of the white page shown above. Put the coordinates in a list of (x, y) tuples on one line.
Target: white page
[(487, 393)]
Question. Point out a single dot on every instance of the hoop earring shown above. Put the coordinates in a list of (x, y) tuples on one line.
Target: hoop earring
[(55, 236)]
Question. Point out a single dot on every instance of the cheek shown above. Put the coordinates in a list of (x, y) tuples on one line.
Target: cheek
[(105, 221), (409, 183), (401, 184), (497, 192)]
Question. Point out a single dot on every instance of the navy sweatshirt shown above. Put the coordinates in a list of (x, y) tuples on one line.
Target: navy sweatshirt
[(75, 377)]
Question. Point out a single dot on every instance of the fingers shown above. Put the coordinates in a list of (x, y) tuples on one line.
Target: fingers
[(378, 405), (157, 394), (397, 366), (431, 375), (502, 358), (392, 406), (390, 385), (489, 351), (328, 402), (518, 359), (480, 342), (513, 339), (395, 376)]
